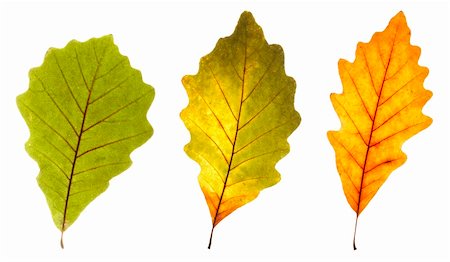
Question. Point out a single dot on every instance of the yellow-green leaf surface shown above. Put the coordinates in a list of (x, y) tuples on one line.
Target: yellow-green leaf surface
[(240, 114), (86, 110)]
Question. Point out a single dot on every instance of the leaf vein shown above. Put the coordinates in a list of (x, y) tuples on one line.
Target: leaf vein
[(214, 167), (52, 189), (246, 180), (49, 126), (398, 70), (359, 95), (67, 84), (396, 133), (115, 112), (368, 70), (263, 134), (255, 157), (351, 119), (380, 164), (215, 115), (396, 113), (110, 90), (221, 90), (110, 143), (354, 159), (210, 138), (81, 70), (261, 110), (237, 73), (53, 162), (58, 149), (229, 199), (56, 104), (112, 69), (398, 90), (258, 83), (100, 166), (81, 191)]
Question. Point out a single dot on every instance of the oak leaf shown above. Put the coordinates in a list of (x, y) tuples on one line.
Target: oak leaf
[(240, 114), (379, 109), (86, 110)]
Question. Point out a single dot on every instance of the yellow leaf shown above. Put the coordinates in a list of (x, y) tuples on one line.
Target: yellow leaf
[(380, 108), (240, 113)]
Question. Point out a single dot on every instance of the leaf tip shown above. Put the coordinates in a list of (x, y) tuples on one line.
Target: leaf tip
[(246, 14), (399, 18), (400, 14), (246, 18)]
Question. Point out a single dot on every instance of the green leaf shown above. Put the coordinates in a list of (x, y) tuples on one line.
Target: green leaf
[(86, 110), (240, 114)]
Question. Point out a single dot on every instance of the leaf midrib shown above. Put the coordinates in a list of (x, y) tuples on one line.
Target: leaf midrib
[(79, 137), (236, 132), (369, 146)]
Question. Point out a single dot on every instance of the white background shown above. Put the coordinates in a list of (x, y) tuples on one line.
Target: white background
[(155, 210)]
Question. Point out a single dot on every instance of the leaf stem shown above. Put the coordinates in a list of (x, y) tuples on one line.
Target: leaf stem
[(354, 234), (210, 237), (61, 241)]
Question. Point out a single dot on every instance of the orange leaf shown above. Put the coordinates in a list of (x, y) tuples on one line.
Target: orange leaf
[(380, 108)]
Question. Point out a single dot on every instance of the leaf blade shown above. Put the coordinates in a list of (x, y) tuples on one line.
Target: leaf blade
[(380, 108), (240, 114), (59, 100)]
